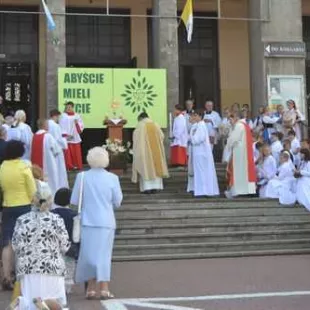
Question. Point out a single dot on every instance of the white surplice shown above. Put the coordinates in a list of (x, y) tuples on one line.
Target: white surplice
[(237, 146), (276, 149), (26, 136), (202, 178), (282, 186), (266, 172), (55, 130), (179, 130), (295, 148), (303, 185), (68, 127), (51, 163), (213, 126)]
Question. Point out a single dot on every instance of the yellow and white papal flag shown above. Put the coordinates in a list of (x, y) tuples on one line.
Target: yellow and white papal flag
[(188, 19)]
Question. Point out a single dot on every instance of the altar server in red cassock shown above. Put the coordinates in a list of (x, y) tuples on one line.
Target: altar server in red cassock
[(180, 138), (47, 154), (241, 171), (72, 126)]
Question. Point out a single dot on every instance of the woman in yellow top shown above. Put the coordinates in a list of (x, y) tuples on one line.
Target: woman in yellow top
[(18, 189)]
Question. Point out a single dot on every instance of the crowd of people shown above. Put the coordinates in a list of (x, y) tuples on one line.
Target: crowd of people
[(265, 156)]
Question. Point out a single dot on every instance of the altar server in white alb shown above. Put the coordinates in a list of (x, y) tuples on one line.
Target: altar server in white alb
[(282, 186), (266, 169), (55, 130), (26, 134), (72, 126), (303, 179), (180, 138), (47, 155), (241, 173), (295, 147), (202, 178), (213, 122)]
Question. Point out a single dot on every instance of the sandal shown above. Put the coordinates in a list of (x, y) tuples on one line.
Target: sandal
[(7, 285), (106, 295), (91, 295)]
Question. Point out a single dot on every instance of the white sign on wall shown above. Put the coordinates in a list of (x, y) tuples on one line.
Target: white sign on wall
[(281, 88)]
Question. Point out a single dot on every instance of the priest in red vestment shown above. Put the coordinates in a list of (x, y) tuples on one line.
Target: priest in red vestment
[(178, 155), (241, 171), (72, 126)]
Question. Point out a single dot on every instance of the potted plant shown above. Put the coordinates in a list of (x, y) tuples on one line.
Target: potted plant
[(120, 155)]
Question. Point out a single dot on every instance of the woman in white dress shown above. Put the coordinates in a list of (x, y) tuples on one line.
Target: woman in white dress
[(293, 118), (26, 134), (202, 178), (266, 169), (283, 184), (303, 179)]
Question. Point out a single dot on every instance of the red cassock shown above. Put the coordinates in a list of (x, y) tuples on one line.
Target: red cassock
[(178, 156), (73, 154), (37, 150)]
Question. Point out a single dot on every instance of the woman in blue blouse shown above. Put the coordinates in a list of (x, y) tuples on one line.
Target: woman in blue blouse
[(101, 195)]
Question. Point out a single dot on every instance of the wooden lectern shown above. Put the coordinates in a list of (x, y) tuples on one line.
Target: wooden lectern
[(115, 131)]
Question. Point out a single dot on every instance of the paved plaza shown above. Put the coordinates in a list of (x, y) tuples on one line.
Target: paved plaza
[(256, 283)]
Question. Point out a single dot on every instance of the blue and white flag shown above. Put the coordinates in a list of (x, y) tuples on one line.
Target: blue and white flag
[(49, 18)]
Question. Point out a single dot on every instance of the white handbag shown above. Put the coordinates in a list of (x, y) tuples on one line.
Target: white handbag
[(76, 231)]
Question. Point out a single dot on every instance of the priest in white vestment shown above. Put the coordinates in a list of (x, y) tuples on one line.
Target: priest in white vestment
[(276, 146), (47, 154), (241, 173), (303, 180), (180, 138), (213, 122), (282, 186), (55, 130), (266, 170), (202, 178), (72, 127), (26, 134), (149, 165)]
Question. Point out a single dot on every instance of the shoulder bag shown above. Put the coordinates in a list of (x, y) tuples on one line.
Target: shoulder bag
[(76, 231)]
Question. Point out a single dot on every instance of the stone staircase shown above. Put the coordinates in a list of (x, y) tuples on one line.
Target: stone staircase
[(174, 225)]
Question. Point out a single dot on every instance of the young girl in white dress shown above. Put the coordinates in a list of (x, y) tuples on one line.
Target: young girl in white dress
[(303, 179), (266, 169), (282, 186)]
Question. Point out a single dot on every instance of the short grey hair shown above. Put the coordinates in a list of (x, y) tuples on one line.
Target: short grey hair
[(98, 157)]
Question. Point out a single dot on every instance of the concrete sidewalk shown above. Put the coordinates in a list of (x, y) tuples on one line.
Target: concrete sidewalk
[(192, 278)]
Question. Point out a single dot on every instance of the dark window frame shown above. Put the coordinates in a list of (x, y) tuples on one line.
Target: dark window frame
[(22, 20), (93, 54)]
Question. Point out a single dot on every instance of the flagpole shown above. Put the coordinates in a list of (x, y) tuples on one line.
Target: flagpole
[(108, 7)]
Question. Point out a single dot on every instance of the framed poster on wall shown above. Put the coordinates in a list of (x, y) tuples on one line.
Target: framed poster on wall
[(284, 87)]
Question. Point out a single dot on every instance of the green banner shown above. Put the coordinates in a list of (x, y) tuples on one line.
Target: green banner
[(114, 93)]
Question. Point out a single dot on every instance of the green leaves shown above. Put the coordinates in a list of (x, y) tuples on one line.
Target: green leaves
[(138, 94)]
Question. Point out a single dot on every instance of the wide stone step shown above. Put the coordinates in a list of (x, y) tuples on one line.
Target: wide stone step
[(186, 237), (163, 228), (208, 213), (206, 255), (214, 220), (210, 203), (211, 247)]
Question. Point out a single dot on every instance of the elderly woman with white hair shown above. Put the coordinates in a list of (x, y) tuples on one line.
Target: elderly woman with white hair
[(26, 134), (101, 194)]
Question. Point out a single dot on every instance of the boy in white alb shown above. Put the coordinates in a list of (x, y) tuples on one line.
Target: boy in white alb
[(180, 139), (72, 126)]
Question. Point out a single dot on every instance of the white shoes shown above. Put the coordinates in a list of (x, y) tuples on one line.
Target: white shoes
[(228, 194)]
